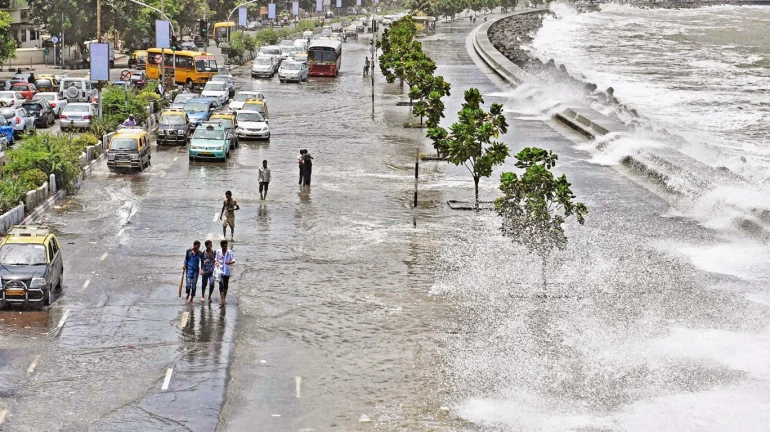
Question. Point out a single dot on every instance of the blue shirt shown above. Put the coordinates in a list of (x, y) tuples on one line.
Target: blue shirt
[(209, 268), (192, 261), (223, 259)]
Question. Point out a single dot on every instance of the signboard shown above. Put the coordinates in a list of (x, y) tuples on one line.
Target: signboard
[(100, 61), (46, 51), (205, 57), (358, 2), (271, 11), (339, 3), (54, 40), (242, 18), (162, 34), (262, 10), (295, 8), (319, 5)]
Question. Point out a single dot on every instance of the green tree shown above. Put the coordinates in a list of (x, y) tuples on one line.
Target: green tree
[(470, 141), (535, 205), (396, 42), (428, 92), (508, 4), (7, 42)]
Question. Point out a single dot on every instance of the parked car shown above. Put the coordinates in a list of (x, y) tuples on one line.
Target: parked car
[(228, 81), (242, 96), (6, 130), (182, 99), (129, 148), (264, 66), (27, 90), (21, 77), (57, 102), (42, 111), (138, 79), (22, 121), (78, 115), (173, 127), (217, 90), (11, 98), (210, 142), (199, 110), (252, 125), (46, 84), (77, 89), (293, 71), (31, 266)]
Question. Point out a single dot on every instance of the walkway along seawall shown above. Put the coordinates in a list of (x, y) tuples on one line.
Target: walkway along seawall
[(499, 44)]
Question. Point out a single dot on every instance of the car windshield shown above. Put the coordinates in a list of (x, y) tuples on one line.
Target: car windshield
[(19, 87), (76, 108), (220, 78), (196, 106), (224, 71), (23, 254), (291, 66), (8, 113), (48, 97), (123, 144), (271, 51), (172, 119), (33, 107), (226, 122), (76, 84), (214, 86), (254, 107), (43, 83), (263, 61), (206, 133), (250, 117), (288, 49), (205, 65), (242, 97), (182, 98), (7, 95)]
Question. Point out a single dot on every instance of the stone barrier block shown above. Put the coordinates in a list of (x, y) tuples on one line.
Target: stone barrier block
[(52, 183), (89, 153), (30, 200)]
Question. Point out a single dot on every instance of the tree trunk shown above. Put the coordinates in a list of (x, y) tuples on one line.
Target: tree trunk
[(476, 184)]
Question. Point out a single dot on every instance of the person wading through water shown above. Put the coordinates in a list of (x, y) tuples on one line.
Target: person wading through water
[(228, 211), (307, 167)]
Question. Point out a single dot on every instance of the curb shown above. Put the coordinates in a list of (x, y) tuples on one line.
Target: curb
[(44, 207)]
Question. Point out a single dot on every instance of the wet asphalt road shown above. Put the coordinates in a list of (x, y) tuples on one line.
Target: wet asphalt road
[(329, 318)]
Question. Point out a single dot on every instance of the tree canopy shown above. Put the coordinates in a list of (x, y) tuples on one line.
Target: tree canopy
[(7, 42)]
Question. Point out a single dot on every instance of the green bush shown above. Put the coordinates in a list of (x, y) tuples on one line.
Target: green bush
[(267, 37), (50, 154), (32, 179), (249, 43), (117, 105), (87, 139), (100, 127), (12, 191)]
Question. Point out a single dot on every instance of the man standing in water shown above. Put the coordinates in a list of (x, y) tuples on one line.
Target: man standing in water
[(299, 162), (228, 211), (307, 165), (264, 179), (207, 272), (192, 261), (225, 260)]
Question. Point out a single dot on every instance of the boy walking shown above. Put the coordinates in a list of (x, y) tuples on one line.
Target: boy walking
[(264, 179), (225, 260), (192, 261), (209, 258), (228, 211)]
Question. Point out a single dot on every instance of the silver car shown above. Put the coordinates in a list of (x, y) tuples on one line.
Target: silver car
[(263, 66), (293, 71), (57, 102), (77, 115), (22, 120)]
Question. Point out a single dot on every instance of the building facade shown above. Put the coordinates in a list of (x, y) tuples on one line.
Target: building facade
[(23, 30)]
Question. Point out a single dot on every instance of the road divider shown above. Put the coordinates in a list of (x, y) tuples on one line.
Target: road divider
[(298, 385)]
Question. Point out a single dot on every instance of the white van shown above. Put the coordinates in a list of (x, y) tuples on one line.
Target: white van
[(77, 89)]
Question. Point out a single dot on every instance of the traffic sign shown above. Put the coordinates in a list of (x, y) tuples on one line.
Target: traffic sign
[(54, 40), (125, 75), (158, 58), (46, 51)]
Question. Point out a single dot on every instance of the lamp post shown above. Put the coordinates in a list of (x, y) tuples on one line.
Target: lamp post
[(230, 15)]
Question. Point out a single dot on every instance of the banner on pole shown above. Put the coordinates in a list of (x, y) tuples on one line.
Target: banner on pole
[(242, 17), (100, 61), (162, 34), (376, 1), (271, 11), (295, 8), (358, 2), (339, 3), (319, 5)]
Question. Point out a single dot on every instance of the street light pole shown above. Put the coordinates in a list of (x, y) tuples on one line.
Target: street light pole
[(230, 15)]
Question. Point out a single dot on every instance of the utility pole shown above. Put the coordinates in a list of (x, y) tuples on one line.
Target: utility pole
[(99, 21)]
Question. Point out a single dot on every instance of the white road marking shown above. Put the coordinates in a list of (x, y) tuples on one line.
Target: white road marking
[(216, 216), (176, 158), (122, 230), (167, 380), (31, 368), (163, 174), (104, 256), (297, 383), (185, 318), (87, 282), (3, 415), (63, 320)]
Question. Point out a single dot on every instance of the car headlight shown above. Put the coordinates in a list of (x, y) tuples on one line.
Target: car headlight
[(38, 282), (220, 147), (134, 156), (181, 131), (239, 130), (110, 156)]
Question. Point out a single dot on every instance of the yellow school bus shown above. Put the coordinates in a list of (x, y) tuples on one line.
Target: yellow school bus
[(192, 67), (220, 31)]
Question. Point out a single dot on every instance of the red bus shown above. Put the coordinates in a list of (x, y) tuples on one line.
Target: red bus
[(324, 57)]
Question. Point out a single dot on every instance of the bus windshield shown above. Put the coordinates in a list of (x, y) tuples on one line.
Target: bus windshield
[(319, 55), (205, 65)]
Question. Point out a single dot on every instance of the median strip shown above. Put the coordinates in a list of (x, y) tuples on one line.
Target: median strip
[(167, 380)]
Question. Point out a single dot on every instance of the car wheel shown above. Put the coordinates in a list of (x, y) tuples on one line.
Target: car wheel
[(268, 137), (47, 300)]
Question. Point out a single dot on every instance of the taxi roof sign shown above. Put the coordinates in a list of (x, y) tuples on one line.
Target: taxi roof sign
[(29, 231)]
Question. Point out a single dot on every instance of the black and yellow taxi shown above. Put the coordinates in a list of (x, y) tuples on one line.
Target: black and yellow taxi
[(173, 127), (129, 149), (31, 266)]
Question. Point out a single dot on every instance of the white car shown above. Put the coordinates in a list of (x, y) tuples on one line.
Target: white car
[(271, 50), (12, 98), (78, 115), (293, 71), (287, 51), (264, 66), (251, 125), (217, 90), (57, 102), (22, 120), (301, 45), (242, 96)]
